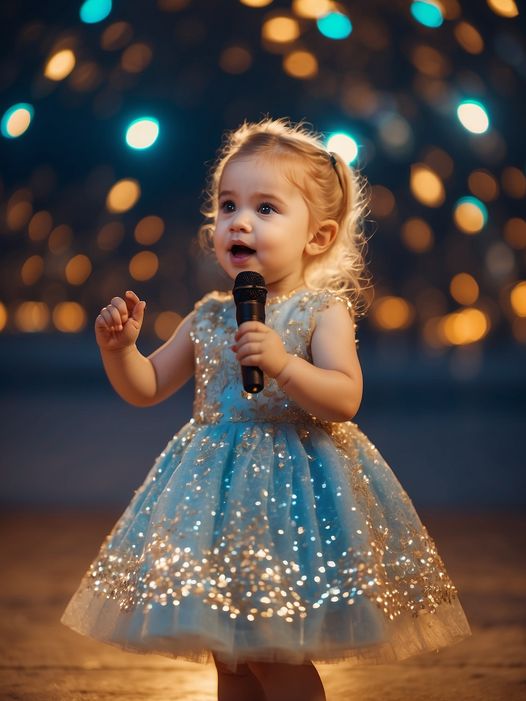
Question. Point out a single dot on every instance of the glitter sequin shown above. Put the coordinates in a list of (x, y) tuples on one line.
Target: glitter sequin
[(258, 515)]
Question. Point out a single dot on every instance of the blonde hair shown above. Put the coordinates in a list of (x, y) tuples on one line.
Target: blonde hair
[(331, 189)]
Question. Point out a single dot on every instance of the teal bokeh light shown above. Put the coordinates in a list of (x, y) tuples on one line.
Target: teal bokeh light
[(7, 128), (473, 116), (142, 133), (335, 25), (427, 13), (93, 11), (344, 145)]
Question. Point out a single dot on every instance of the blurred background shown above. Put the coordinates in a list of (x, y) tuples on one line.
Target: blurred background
[(111, 115)]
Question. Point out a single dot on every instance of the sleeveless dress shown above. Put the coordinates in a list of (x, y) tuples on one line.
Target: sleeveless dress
[(264, 533)]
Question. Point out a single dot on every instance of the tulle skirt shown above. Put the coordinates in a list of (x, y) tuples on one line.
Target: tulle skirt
[(274, 542)]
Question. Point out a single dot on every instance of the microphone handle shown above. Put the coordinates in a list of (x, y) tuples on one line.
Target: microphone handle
[(251, 310)]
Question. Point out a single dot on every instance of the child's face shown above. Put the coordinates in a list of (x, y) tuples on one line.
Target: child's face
[(262, 223)]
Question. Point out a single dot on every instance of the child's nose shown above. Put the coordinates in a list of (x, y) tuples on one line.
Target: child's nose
[(241, 222)]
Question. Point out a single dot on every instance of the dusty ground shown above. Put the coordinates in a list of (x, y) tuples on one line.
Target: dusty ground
[(44, 555)]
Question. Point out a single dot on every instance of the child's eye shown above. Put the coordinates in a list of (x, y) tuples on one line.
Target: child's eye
[(227, 206), (266, 208)]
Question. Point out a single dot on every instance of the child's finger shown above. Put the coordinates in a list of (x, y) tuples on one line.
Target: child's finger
[(111, 316), (131, 300), (122, 309)]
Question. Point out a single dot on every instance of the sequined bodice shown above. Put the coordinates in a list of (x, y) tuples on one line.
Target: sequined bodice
[(219, 393)]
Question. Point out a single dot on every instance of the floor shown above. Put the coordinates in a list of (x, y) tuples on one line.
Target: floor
[(45, 553)]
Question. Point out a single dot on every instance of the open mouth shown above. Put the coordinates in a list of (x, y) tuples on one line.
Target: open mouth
[(241, 251)]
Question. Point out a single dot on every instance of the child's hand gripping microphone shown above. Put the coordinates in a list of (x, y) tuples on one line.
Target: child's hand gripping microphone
[(250, 295)]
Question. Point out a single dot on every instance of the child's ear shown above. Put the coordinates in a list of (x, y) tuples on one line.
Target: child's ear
[(323, 238)]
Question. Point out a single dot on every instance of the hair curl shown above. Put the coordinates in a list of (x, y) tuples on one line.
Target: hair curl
[(331, 189)]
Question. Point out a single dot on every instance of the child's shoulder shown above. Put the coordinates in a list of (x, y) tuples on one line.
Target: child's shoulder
[(213, 300), (320, 300)]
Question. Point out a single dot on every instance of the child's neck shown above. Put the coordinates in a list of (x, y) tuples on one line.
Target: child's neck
[(281, 290)]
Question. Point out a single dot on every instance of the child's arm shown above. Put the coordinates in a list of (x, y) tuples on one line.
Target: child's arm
[(139, 380), (331, 388)]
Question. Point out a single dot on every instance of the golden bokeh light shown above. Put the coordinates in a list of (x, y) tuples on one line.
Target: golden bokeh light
[(40, 225), (166, 323), (311, 9), (468, 217), (382, 201), (450, 9), (255, 3), (78, 269), (392, 313), (483, 185), (515, 232), (465, 326), (301, 64), (110, 236), (60, 65), (518, 298), (116, 36), (417, 235), (123, 195), (235, 59), (426, 186), (60, 239), (32, 316), (504, 8), (464, 288), (18, 214), (32, 269), (144, 265), (469, 38), (136, 57), (3, 316), (69, 317), (430, 61), (280, 29), (514, 182), (149, 230)]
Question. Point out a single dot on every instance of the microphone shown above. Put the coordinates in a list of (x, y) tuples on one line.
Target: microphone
[(250, 295)]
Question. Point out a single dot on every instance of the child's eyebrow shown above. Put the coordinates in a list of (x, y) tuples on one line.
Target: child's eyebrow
[(256, 195)]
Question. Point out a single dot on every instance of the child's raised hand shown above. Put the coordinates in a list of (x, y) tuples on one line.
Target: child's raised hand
[(118, 324), (257, 344)]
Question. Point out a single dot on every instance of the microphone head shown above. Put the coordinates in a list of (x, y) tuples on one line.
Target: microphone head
[(249, 285)]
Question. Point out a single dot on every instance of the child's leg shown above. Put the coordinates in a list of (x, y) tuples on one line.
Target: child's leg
[(240, 685), (287, 682)]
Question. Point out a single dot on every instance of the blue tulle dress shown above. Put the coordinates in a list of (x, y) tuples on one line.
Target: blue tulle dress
[(263, 533)]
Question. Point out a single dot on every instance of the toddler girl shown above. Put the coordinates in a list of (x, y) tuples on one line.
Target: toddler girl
[(270, 532)]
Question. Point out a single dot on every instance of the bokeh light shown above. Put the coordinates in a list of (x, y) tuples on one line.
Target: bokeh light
[(93, 11), (518, 298), (69, 317), (281, 29), (144, 265), (60, 65), (392, 313), (32, 317), (78, 269), (344, 145), (123, 195), (149, 230), (473, 116), (335, 25), (417, 235), (470, 215), (311, 9), (16, 120), (142, 133), (504, 8), (427, 13), (466, 326), (426, 186), (464, 288), (301, 64)]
